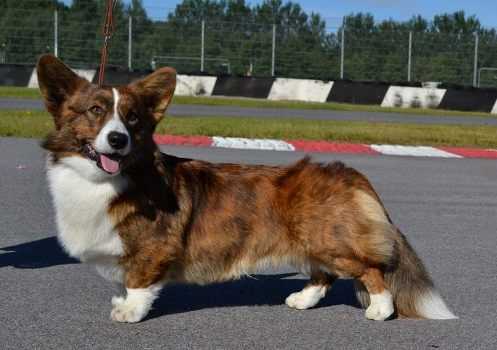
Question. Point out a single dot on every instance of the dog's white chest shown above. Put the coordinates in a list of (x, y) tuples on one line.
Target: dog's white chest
[(85, 228)]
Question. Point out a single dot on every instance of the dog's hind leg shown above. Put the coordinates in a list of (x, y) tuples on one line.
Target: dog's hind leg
[(381, 305), (313, 292)]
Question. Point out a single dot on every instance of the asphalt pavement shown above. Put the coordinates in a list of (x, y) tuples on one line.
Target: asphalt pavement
[(310, 114), (446, 207)]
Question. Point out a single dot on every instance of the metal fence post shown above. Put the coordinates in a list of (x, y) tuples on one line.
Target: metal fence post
[(130, 42), (475, 68), (273, 57), (202, 53), (409, 60), (56, 33), (342, 54)]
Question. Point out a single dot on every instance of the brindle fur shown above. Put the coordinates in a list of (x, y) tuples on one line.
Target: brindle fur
[(192, 221)]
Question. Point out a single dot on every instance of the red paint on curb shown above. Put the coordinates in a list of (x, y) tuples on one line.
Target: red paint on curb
[(471, 152), (331, 147), (198, 141), (321, 146)]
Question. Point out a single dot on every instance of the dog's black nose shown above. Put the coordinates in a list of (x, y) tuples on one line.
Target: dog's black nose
[(117, 140)]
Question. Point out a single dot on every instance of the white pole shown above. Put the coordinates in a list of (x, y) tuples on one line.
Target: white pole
[(273, 58), (130, 42), (202, 54), (475, 69), (342, 54), (409, 60), (56, 33)]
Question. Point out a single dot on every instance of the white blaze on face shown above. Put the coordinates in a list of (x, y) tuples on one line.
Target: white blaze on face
[(114, 124)]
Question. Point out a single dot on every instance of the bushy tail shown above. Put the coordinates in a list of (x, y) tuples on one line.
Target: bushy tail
[(412, 289)]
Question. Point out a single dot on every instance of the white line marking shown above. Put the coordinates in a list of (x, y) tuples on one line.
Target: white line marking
[(413, 151), (257, 144)]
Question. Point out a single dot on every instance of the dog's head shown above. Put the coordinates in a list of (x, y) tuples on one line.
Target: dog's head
[(101, 131)]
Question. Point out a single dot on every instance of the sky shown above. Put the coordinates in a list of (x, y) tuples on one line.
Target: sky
[(485, 10)]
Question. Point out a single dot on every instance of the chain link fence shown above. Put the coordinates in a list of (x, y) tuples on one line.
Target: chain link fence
[(248, 48)]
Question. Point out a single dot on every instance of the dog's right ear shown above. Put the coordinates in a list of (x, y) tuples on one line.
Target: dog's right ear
[(57, 82)]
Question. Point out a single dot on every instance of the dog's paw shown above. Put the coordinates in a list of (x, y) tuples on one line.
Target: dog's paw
[(117, 300), (381, 307), (306, 298), (125, 311), (296, 301)]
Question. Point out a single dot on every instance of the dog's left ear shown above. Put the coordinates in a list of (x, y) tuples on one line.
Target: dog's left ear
[(157, 90)]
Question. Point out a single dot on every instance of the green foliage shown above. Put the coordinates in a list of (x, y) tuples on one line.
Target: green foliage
[(238, 40)]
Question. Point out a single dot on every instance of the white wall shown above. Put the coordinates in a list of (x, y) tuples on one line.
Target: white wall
[(494, 110), (187, 85), (88, 74), (300, 90), (403, 96)]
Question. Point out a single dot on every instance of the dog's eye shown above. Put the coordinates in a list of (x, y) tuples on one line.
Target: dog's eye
[(97, 110), (133, 119)]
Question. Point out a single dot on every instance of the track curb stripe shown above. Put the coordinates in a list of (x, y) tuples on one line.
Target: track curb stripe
[(196, 141), (332, 147), (324, 147), (472, 152), (413, 151)]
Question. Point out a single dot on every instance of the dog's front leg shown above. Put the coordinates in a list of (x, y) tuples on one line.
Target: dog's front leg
[(135, 305), (141, 291)]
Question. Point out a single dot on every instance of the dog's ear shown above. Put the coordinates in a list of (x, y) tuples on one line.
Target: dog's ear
[(157, 90), (57, 82)]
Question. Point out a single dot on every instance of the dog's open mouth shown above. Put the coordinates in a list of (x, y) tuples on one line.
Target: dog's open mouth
[(110, 163)]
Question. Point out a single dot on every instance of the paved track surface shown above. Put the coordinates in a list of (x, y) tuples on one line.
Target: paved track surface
[(447, 208), (228, 111)]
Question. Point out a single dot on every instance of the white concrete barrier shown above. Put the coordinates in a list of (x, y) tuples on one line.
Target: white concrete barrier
[(406, 97), (188, 85), (494, 110), (300, 90), (88, 74)]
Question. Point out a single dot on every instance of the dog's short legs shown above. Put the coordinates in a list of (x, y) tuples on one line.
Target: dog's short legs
[(312, 293), (135, 305), (381, 302), (143, 284)]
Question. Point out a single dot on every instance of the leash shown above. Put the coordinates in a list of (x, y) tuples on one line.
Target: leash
[(107, 31)]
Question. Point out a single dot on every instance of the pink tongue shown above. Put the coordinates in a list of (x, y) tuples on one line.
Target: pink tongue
[(109, 165)]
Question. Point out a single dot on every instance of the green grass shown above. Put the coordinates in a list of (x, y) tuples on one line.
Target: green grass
[(18, 92), (37, 124)]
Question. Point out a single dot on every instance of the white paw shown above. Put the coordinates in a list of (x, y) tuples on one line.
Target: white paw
[(306, 298), (117, 300), (136, 305), (125, 311), (381, 307)]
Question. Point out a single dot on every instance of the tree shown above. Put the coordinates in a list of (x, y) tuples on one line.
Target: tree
[(239, 36)]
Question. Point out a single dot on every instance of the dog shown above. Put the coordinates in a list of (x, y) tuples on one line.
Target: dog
[(145, 219)]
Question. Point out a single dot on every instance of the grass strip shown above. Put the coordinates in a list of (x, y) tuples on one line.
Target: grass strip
[(37, 124), (19, 92)]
